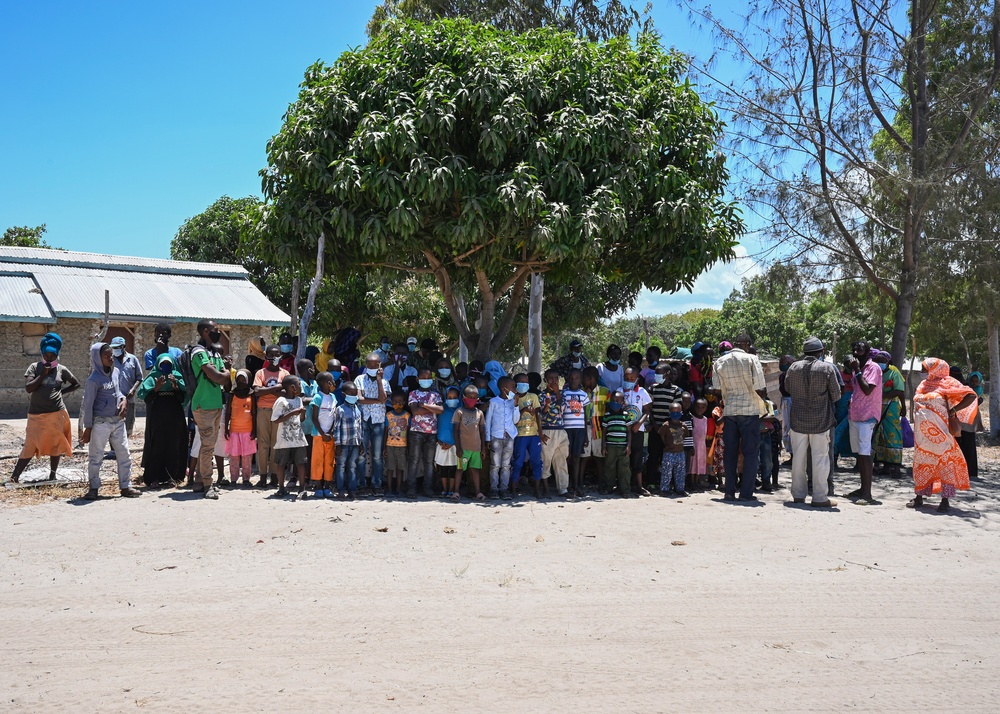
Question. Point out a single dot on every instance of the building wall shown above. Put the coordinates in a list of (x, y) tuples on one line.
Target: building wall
[(77, 336)]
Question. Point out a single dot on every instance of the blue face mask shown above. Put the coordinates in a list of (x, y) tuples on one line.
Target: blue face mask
[(652, 365), (676, 415), (451, 403), (522, 387), (386, 346), (444, 373), (658, 378), (629, 385), (482, 393), (784, 367), (615, 406), (411, 348), (425, 383), (615, 362), (371, 372), (337, 376), (883, 365), (351, 398), (286, 349)]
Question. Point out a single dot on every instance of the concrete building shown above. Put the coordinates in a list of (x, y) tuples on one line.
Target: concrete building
[(60, 291)]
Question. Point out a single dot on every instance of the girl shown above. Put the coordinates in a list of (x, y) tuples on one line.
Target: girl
[(673, 467), (699, 433), (718, 448), (445, 456), (241, 428)]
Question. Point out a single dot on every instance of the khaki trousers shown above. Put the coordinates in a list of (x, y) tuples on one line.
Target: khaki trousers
[(208, 422)]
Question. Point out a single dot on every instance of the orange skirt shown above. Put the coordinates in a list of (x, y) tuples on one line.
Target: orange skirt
[(48, 434)]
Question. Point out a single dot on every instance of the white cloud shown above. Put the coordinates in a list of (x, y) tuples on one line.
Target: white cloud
[(710, 289)]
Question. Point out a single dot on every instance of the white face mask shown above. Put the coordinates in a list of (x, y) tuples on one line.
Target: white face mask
[(371, 372)]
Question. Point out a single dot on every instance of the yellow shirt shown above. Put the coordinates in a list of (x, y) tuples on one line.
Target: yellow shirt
[(527, 425)]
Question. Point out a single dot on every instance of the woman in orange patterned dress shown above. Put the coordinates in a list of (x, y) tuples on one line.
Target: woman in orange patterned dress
[(938, 464)]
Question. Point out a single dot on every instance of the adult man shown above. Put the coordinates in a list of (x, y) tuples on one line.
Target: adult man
[(574, 360), (211, 372), (161, 344), (426, 357), (610, 371), (373, 393), (739, 379), (814, 389), (129, 378), (663, 392), (397, 373), (864, 414)]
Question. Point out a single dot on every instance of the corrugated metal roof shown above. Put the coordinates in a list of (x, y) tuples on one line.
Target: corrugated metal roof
[(150, 296), (44, 256), (22, 301)]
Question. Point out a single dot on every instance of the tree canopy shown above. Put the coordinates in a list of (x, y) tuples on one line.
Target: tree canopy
[(25, 237), (479, 156)]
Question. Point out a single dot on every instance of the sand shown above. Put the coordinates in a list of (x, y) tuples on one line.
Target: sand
[(170, 602)]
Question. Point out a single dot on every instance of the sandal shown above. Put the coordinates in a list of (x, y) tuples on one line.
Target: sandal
[(480, 496), (455, 497), (644, 492)]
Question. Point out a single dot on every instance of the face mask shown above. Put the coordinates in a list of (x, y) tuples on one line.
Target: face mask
[(118, 353), (629, 385), (676, 415), (165, 368), (337, 376), (285, 349), (482, 393), (444, 373), (614, 406), (274, 361), (615, 362), (577, 353), (371, 372), (470, 402), (425, 383), (883, 365), (215, 335), (411, 348), (53, 364), (652, 365), (658, 378), (522, 387), (784, 367), (451, 403), (350, 398), (386, 346)]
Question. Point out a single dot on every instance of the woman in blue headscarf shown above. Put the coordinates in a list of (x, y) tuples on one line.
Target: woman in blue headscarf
[(49, 432)]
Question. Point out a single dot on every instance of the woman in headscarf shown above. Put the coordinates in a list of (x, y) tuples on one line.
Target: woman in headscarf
[(889, 434), (345, 348), (967, 439), (938, 463), (49, 432), (493, 371), (255, 359), (164, 456), (324, 356)]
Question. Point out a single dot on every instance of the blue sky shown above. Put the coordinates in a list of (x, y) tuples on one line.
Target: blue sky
[(123, 119)]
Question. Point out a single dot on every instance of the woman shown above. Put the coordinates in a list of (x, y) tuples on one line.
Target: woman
[(254, 360), (49, 432), (164, 457), (938, 464), (967, 439), (889, 435)]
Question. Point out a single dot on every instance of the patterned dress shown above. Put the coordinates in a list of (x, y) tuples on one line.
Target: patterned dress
[(938, 464)]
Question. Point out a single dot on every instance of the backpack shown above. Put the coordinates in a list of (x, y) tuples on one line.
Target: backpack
[(187, 370)]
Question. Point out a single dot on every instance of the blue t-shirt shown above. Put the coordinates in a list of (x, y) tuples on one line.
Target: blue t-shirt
[(446, 430), (309, 390), (149, 358)]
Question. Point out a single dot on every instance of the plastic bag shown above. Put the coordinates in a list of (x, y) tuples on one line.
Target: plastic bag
[(907, 433)]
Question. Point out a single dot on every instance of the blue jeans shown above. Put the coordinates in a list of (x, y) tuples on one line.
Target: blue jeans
[(373, 437), (347, 458), (420, 460), (741, 434), (530, 447)]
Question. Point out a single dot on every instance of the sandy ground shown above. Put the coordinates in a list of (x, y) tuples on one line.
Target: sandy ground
[(170, 602)]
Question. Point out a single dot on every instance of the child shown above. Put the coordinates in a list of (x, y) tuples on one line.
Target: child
[(555, 448), (594, 412), (615, 438), (425, 405), (241, 431), (267, 388), (699, 454), (719, 446), (470, 438), (323, 449), (575, 423), (288, 414), (103, 413), (638, 399), (527, 443), (689, 434), (446, 456), (673, 467), (501, 428), (768, 425), (307, 375), (397, 425), (347, 438)]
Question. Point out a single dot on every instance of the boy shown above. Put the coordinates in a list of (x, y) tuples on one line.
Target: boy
[(446, 455), (290, 446), (555, 445), (323, 449), (768, 425), (688, 421), (501, 428), (594, 412), (307, 375), (662, 393), (470, 437), (103, 413), (267, 388), (526, 443), (347, 438), (673, 468), (615, 438), (425, 405), (397, 425), (637, 398), (575, 423)]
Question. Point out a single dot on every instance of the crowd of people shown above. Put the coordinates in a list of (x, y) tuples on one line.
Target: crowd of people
[(404, 421)]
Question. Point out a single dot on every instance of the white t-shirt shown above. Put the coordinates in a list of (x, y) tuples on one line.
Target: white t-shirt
[(290, 434), (612, 380), (325, 405), (638, 398)]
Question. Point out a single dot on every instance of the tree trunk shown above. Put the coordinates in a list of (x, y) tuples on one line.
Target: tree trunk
[(311, 298), (535, 322), (294, 309), (994, 347), (904, 314), (463, 348)]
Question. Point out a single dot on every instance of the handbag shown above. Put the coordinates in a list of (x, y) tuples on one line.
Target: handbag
[(907, 430)]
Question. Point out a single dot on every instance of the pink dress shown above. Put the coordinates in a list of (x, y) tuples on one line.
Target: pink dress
[(699, 461)]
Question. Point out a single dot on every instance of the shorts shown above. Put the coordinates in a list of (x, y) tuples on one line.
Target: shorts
[(595, 447), (395, 458), (296, 455), (471, 460), (445, 457), (576, 438), (861, 436), (220, 444)]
